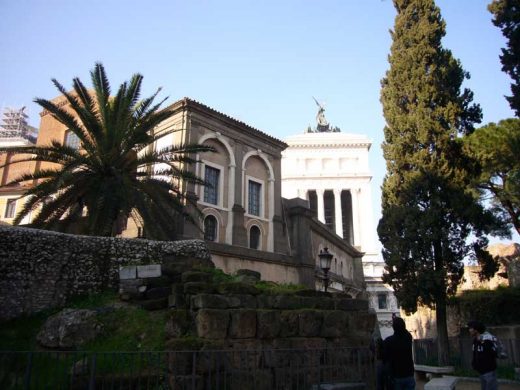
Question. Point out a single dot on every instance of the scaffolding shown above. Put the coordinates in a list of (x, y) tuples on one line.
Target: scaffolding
[(14, 123)]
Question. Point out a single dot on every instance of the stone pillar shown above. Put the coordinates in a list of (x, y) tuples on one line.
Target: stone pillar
[(356, 217), (320, 205), (231, 202), (338, 212), (270, 234)]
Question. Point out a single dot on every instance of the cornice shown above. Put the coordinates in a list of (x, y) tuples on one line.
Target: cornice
[(328, 140), (193, 105)]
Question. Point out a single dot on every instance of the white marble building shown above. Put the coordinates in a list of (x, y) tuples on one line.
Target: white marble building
[(331, 171)]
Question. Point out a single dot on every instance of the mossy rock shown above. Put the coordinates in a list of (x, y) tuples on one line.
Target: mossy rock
[(196, 276), (236, 288)]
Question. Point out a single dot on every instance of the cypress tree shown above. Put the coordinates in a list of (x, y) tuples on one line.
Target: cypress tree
[(427, 212)]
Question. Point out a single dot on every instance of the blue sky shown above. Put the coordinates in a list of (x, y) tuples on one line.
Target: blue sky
[(258, 61)]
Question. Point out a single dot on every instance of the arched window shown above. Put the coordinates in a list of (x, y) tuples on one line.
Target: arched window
[(210, 228), (71, 139), (254, 237)]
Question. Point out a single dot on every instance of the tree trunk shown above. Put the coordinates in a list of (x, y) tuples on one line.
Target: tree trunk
[(443, 358)]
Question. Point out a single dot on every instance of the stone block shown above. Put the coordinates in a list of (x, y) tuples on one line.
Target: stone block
[(242, 301), (348, 304), (248, 276), (246, 353), (289, 323), (149, 271), (158, 292), (194, 288), (322, 303), (335, 324), (154, 304), (444, 383), (310, 323), (177, 324), (196, 276), (212, 323), (237, 288), (208, 301), (128, 272), (177, 300), (243, 324), (267, 324), (287, 302), (265, 301)]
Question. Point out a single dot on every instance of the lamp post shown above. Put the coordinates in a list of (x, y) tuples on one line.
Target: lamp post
[(325, 260)]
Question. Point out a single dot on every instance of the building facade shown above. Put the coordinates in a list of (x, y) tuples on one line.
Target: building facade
[(330, 170), (244, 219)]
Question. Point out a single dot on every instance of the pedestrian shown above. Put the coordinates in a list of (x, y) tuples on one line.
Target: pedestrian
[(398, 356), (484, 355)]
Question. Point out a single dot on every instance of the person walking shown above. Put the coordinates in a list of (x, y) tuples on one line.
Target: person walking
[(398, 356), (484, 355)]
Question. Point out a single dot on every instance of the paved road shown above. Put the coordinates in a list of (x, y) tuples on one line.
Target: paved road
[(474, 385)]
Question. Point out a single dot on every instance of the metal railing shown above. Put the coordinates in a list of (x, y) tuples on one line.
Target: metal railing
[(193, 370), (425, 352)]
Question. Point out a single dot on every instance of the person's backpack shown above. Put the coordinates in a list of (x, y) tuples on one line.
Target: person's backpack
[(499, 347)]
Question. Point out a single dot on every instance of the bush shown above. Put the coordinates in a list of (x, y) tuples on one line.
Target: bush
[(493, 307)]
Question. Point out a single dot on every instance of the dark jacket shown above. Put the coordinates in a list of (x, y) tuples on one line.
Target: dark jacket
[(484, 353), (398, 353)]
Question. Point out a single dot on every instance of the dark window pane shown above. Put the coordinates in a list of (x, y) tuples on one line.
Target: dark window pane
[(328, 203), (211, 175), (254, 237), (381, 300), (10, 208), (254, 197), (210, 228), (71, 139)]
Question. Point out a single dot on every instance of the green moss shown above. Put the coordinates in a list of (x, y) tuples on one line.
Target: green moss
[(89, 301), (130, 329), (272, 288)]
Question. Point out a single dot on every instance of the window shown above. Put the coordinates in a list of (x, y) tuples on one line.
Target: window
[(10, 208), (71, 140), (212, 177), (254, 237), (210, 228), (254, 194), (313, 203), (381, 301), (329, 212)]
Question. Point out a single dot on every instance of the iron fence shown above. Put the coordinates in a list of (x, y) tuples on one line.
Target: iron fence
[(188, 370), (425, 352)]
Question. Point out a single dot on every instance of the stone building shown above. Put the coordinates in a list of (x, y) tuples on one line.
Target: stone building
[(330, 170), (245, 221)]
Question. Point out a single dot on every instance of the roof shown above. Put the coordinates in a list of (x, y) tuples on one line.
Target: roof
[(187, 102), (330, 139)]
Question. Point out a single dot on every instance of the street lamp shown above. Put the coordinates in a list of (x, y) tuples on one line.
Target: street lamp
[(325, 260)]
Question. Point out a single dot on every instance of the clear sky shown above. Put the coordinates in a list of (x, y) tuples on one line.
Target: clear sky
[(257, 61)]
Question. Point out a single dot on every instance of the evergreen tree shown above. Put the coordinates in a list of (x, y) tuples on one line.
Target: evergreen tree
[(506, 16), (496, 147), (427, 213)]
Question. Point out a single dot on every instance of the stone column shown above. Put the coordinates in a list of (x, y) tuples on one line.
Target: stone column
[(338, 212), (270, 234), (320, 205), (356, 217), (231, 202)]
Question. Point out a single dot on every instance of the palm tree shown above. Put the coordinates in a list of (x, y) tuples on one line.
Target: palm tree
[(115, 173)]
